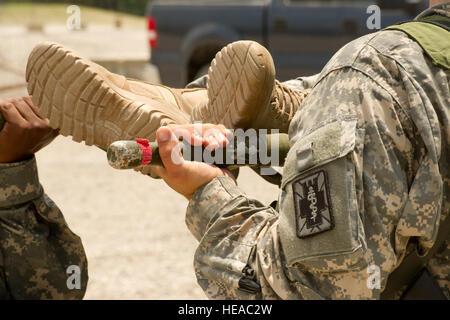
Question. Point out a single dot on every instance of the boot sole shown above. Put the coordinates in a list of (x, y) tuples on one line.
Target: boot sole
[(80, 98), (240, 85)]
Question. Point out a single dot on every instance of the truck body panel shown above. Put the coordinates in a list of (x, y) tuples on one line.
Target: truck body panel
[(302, 35)]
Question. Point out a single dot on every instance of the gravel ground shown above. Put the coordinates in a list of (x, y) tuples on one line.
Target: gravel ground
[(132, 226)]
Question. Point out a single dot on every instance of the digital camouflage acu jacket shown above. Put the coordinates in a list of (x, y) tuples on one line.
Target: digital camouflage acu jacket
[(366, 181), (40, 257)]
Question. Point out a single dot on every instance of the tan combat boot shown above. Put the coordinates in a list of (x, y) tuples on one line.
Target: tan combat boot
[(91, 104), (243, 92), (87, 102)]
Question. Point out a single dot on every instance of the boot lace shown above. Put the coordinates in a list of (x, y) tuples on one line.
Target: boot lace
[(287, 100)]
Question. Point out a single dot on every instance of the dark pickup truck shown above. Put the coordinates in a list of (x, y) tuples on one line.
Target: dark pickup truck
[(301, 35)]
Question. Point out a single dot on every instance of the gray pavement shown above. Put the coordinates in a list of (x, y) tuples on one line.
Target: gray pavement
[(132, 226)]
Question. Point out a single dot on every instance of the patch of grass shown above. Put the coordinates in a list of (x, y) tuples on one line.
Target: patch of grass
[(36, 14)]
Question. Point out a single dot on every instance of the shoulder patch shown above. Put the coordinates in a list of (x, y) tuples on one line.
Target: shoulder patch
[(313, 208)]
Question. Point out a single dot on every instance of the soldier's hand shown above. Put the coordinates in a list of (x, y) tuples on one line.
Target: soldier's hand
[(185, 177), (25, 132)]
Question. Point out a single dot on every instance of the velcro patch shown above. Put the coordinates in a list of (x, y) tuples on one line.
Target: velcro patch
[(313, 209)]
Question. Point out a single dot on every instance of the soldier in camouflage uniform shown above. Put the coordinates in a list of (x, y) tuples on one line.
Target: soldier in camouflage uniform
[(40, 257), (370, 152)]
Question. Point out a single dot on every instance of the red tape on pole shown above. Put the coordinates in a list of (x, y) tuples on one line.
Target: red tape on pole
[(146, 151)]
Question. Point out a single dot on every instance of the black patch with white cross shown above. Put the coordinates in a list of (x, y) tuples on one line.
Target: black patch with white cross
[(313, 209)]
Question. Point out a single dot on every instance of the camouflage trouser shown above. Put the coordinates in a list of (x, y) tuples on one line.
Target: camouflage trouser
[(40, 257)]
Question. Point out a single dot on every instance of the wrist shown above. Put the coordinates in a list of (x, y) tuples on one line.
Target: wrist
[(217, 174)]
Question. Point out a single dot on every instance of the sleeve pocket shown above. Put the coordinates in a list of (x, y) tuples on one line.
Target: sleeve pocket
[(320, 225)]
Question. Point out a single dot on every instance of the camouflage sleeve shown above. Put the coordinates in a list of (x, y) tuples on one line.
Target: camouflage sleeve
[(239, 255), (40, 257), (228, 225)]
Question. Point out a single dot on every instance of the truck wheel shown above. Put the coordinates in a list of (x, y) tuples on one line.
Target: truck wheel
[(203, 70)]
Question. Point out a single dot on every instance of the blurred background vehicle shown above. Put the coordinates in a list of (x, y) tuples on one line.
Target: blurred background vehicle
[(302, 35)]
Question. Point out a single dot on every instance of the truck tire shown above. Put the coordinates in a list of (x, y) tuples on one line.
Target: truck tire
[(201, 58), (202, 71)]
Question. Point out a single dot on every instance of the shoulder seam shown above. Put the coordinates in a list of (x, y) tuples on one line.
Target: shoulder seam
[(376, 81)]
